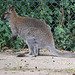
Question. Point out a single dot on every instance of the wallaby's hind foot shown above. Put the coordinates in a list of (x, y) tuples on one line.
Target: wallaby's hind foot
[(26, 55)]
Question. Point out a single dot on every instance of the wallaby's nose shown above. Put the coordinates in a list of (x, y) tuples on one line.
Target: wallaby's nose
[(2, 18)]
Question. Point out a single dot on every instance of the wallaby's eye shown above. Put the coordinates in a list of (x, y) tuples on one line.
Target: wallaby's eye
[(7, 13)]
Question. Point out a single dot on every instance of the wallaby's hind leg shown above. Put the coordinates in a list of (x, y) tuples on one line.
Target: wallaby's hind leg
[(33, 49), (36, 50)]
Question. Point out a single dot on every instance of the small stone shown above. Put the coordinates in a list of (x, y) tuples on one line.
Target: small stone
[(25, 61), (35, 67), (32, 71), (20, 67), (52, 57), (21, 60), (53, 60)]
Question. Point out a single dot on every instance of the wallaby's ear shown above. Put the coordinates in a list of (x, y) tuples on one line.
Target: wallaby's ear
[(11, 7)]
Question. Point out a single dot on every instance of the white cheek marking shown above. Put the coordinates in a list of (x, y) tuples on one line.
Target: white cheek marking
[(5, 16)]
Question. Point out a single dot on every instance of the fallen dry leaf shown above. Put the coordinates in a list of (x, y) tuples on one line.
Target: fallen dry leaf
[(64, 63), (73, 74)]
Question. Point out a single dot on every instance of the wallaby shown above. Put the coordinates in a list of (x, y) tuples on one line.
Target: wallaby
[(34, 32)]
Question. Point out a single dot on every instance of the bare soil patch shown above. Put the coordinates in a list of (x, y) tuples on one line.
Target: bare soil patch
[(10, 64)]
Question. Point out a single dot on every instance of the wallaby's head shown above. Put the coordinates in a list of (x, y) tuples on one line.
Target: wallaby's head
[(8, 13)]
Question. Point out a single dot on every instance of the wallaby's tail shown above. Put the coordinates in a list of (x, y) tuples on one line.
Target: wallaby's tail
[(62, 54)]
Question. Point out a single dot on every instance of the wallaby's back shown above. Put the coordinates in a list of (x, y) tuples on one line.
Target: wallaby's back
[(34, 28)]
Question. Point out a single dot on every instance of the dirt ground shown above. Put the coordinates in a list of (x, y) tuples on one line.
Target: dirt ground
[(10, 64)]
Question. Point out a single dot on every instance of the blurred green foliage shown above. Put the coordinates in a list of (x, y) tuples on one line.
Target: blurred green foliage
[(58, 14)]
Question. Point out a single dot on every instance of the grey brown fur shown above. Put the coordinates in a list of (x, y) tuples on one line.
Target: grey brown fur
[(34, 32)]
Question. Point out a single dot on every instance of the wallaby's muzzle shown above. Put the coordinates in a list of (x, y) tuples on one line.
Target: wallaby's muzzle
[(3, 17)]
